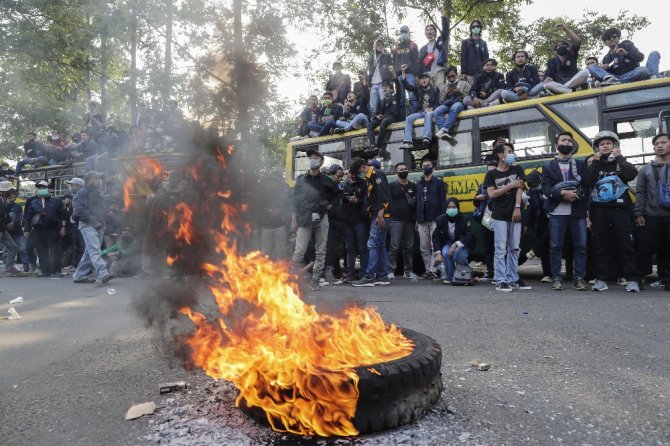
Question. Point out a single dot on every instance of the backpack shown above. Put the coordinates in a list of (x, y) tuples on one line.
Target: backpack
[(608, 189), (462, 275)]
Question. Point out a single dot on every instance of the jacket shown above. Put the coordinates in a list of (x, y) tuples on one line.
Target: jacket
[(624, 64), (341, 83), (620, 167), (312, 194), (439, 46), (427, 97), (471, 57), (6, 209), (326, 113), (16, 217), (536, 215), (389, 107), (52, 214), (355, 212), (462, 232), (646, 190), (433, 204), (551, 176), (462, 90), (379, 194), (33, 149), (527, 78), (349, 112), (363, 96), (562, 71), (89, 207), (382, 61), (488, 83), (406, 53)]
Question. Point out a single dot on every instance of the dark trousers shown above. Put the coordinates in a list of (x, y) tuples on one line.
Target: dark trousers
[(615, 224), (655, 238), (334, 244), (47, 245), (78, 245), (381, 136), (402, 238), (356, 238), (489, 250)]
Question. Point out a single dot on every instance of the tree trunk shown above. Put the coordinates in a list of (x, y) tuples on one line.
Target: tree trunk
[(133, 61), (167, 86), (240, 78)]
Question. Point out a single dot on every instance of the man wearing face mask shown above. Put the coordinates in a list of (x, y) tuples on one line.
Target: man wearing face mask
[(406, 54), (566, 204), (504, 186), (563, 74), (313, 196), (403, 221), (357, 222), (473, 52), (377, 269), (46, 223), (488, 87), (431, 202), (611, 209), (452, 240), (523, 82), (329, 112), (7, 198), (378, 72)]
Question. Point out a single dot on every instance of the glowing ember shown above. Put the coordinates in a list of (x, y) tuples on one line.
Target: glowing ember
[(294, 363)]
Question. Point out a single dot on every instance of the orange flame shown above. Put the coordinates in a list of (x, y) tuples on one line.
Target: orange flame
[(144, 170)]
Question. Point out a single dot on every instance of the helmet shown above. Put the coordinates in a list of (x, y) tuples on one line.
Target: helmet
[(605, 134)]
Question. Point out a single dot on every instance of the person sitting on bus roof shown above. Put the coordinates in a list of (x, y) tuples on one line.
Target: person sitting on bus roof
[(429, 98), (406, 53), (474, 53), (622, 63), (34, 153), (388, 114), (562, 74), (432, 55), (309, 113), (455, 91), (378, 72), (522, 81), (329, 112), (354, 117), (487, 88)]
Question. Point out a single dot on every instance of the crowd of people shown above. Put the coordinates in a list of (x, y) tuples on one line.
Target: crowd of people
[(412, 83), (580, 211)]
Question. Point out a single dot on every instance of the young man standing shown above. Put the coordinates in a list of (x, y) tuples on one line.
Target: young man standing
[(566, 204), (403, 220), (338, 83), (474, 53), (504, 186), (431, 202), (432, 55), (610, 211), (406, 54), (357, 222), (429, 98), (378, 72), (652, 214)]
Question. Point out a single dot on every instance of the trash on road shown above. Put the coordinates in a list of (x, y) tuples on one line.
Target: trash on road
[(111, 291), (13, 314), (139, 410), (171, 387), (481, 366), (17, 300)]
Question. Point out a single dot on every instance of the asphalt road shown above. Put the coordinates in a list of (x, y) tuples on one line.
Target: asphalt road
[(567, 368)]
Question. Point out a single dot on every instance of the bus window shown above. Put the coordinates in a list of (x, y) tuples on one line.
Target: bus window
[(510, 117), (301, 162), (582, 114), (637, 97), (635, 139), (460, 153), (531, 139), (488, 139), (396, 153)]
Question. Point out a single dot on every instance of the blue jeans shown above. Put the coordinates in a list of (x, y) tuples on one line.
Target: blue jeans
[(638, 74), (507, 236), (653, 61), (511, 96), (21, 244), (413, 101), (10, 250), (452, 109), (314, 126), (35, 162), (558, 224), (360, 121), (356, 239), (376, 95), (378, 260), (92, 257), (427, 125), (460, 257)]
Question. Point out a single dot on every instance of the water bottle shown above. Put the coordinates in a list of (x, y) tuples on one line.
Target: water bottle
[(590, 81)]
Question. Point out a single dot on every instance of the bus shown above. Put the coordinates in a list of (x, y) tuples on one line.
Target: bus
[(635, 111)]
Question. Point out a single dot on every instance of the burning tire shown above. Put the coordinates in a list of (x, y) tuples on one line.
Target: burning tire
[(393, 393), (399, 392)]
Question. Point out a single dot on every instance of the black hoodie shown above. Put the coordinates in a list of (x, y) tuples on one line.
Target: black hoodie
[(462, 232)]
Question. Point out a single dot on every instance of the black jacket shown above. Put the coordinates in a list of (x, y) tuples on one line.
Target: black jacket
[(527, 78), (436, 199), (388, 107), (363, 95), (624, 64), (551, 176), (379, 194), (599, 169), (33, 149), (472, 57), (350, 112), (462, 232), (427, 97), (406, 53), (312, 194), (5, 214), (355, 212), (487, 82), (52, 214)]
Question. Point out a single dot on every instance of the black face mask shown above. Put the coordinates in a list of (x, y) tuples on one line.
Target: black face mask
[(562, 50), (564, 149), (427, 170), (403, 175)]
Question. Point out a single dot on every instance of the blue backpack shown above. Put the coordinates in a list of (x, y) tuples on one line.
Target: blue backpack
[(608, 189)]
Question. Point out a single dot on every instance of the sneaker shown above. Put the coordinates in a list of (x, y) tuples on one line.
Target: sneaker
[(440, 133), (632, 287), (407, 145), (426, 141), (338, 131), (365, 281), (592, 281), (407, 276), (85, 279), (382, 281), (530, 255), (371, 152), (314, 285), (431, 276), (609, 80), (621, 281), (348, 278), (546, 279), (391, 276), (107, 278), (658, 284), (558, 285), (330, 277), (446, 281), (450, 139), (486, 277), (579, 284), (599, 285), (502, 286), (520, 285)]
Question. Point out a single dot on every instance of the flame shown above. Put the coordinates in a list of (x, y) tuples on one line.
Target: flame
[(144, 169), (286, 358)]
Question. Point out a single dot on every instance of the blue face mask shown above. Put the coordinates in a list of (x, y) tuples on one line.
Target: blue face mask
[(42, 192), (510, 159), (404, 36)]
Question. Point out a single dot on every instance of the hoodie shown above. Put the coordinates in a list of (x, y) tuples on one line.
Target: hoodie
[(624, 64), (378, 64), (456, 229), (646, 190)]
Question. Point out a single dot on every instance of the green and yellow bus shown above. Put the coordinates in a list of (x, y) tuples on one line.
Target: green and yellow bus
[(635, 111)]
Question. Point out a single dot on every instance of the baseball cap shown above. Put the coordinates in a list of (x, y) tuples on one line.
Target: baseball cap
[(375, 163), (404, 29), (77, 181), (311, 152), (42, 183)]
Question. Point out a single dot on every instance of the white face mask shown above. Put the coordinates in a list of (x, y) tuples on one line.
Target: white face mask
[(314, 163)]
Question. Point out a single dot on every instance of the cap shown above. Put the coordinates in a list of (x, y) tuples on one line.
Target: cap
[(77, 181), (6, 186), (334, 168), (424, 74), (91, 174), (311, 152), (375, 163), (533, 177), (404, 29), (42, 183)]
